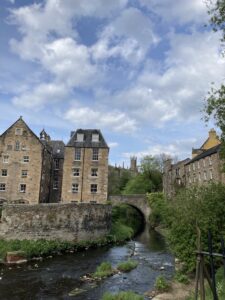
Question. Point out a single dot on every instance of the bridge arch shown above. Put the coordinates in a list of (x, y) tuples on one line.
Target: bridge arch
[(140, 202)]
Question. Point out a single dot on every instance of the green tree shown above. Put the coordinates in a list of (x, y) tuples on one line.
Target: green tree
[(216, 10)]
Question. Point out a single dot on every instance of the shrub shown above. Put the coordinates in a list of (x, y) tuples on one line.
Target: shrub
[(104, 270), (159, 209), (122, 296), (181, 277), (127, 265), (161, 284)]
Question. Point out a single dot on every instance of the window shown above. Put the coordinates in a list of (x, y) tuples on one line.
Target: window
[(189, 168), (22, 188), (199, 176), (2, 187), (55, 185), (178, 172), (95, 137), (9, 147), (5, 158), (203, 163), (75, 188), (198, 165), (17, 146), (24, 173), (4, 172), (193, 166), (95, 154), (94, 188), (94, 172), (179, 181), (23, 148), (26, 159), (77, 154), (76, 172), (80, 137), (18, 131), (56, 164)]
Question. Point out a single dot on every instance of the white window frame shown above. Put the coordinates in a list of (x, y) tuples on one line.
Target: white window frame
[(95, 137), (77, 154), (3, 172), (2, 187), (95, 154), (94, 188), (76, 172), (5, 159), (24, 173), (26, 159), (23, 188), (94, 172), (75, 188), (80, 137)]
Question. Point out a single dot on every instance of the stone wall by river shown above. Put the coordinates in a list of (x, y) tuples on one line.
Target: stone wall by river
[(66, 222)]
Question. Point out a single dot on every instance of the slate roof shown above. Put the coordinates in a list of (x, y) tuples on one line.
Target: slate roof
[(87, 143), (205, 154), (57, 148)]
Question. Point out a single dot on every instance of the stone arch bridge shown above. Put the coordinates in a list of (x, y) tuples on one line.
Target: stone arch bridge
[(140, 202)]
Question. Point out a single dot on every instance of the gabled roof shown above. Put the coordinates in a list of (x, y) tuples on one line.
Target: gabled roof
[(205, 153), (87, 142), (57, 148)]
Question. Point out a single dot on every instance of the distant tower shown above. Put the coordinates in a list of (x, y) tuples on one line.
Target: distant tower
[(133, 165), (44, 136)]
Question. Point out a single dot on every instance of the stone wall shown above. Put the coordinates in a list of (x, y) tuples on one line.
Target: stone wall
[(65, 222)]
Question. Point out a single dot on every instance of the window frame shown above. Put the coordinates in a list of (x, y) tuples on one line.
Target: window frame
[(95, 154), (2, 187), (94, 188), (77, 154), (94, 172), (2, 171), (75, 188), (26, 160), (23, 190), (76, 172), (5, 159), (24, 175)]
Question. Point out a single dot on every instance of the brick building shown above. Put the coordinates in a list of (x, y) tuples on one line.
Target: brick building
[(40, 170), (204, 166), (85, 171)]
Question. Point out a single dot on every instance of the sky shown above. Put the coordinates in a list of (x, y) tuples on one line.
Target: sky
[(138, 70)]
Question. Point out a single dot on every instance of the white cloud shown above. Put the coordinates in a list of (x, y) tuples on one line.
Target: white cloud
[(179, 11), (114, 120), (128, 36), (113, 144), (177, 89)]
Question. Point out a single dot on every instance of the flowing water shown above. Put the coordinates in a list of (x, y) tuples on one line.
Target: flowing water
[(55, 278)]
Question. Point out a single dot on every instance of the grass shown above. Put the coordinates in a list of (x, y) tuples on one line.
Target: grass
[(127, 265), (129, 295), (104, 270), (162, 284)]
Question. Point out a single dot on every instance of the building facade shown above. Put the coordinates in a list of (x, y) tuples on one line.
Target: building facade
[(25, 164), (40, 170), (85, 171), (204, 166)]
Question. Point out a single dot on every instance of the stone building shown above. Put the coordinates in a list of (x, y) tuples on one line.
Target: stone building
[(32, 169), (85, 170), (205, 166), (25, 164)]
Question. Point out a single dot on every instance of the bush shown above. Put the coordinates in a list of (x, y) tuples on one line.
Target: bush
[(197, 206), (181, 277), (161, 284), (104, 270), (122, 296), (127, 265), (159, 209)]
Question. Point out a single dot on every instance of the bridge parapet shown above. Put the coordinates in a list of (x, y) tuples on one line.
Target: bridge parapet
[(140, 202)]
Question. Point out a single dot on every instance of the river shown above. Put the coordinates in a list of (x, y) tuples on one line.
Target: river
[(54, 278)]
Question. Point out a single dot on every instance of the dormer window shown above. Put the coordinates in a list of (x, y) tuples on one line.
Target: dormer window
[(18, 131), (80, 137), (95, 137)]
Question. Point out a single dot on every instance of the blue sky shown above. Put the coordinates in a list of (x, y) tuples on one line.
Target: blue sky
[(138, 70)]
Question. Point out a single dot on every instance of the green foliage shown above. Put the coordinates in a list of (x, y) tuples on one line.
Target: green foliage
[(139, 184), (161, 284), (197, 206), (126, 221), (122, 296), (117, 180), (159, 209), (127, 265), (216, 9), (104, 270), (181, 277)]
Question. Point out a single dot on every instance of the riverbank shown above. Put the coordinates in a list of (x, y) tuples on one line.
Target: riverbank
[(126, 222)]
